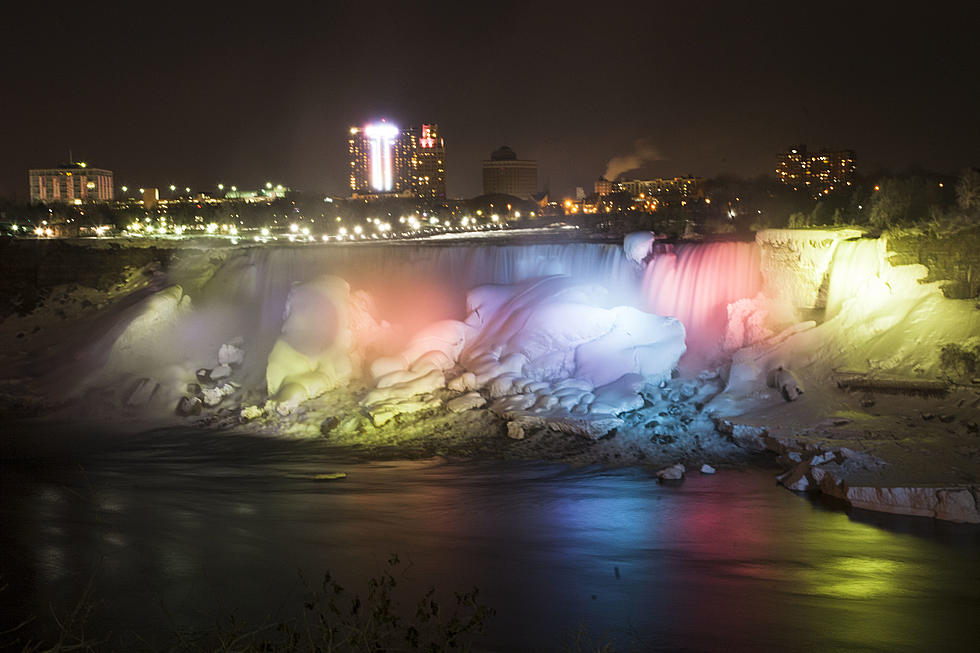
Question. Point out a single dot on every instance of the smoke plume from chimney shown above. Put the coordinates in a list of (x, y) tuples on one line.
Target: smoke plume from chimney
[(643, 152)]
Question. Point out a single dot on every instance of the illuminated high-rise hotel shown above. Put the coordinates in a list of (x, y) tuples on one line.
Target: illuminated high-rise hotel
[(380, 161), (386, 161), (429, 165)]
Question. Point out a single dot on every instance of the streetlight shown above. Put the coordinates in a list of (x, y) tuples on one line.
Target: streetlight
[(221, 186), (172, 187)]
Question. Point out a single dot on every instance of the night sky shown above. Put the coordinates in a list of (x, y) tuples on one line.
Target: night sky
[(167, 93)]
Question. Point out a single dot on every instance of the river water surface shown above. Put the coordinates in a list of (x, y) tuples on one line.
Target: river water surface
[(178, 530)]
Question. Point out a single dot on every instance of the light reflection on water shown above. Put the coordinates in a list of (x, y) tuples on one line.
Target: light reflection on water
[(197, 526)]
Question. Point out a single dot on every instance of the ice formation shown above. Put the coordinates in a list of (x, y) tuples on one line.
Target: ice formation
[(878, 319), (638, 246), (546, 352), (314, 352), (695, 283)]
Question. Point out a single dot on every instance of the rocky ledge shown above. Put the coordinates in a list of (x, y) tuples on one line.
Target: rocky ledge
[(820, 462)]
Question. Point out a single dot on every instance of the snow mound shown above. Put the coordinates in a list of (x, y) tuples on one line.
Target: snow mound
[(548, 353), (314, 351)]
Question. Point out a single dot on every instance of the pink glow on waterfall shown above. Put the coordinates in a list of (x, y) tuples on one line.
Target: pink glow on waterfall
[(696, 282)]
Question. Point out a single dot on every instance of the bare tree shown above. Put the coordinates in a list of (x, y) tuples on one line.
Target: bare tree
[(968, 190)]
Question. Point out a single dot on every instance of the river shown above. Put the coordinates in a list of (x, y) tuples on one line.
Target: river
[(177, 530)]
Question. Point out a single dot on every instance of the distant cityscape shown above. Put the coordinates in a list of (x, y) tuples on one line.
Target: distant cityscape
[(397, 189)]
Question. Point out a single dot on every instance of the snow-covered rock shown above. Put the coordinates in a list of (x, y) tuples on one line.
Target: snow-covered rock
[(188, 406), (638, 245), (797, 479), (672, 473), (222, 371), (785, 381), (707, 469), (748, 320), (230, 354), (820, 459), (250, 413), (212, 396), (401, 385), (746, 436), (952, 504), (465, 402)]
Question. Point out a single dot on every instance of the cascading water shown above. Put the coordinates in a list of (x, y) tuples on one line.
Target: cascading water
[(696, 282), (392, 293), (855, 263), (418, 283)]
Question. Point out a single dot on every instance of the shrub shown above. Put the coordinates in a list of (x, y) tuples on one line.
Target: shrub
[(958, 361)]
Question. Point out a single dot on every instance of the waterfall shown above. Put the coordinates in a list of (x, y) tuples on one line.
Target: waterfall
[(855, 263), (430, 281), (696, 282)]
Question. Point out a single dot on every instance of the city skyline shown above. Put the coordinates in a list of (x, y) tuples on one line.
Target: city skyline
[(197, 98)]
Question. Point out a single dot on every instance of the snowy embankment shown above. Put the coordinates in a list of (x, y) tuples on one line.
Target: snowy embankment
[(906, 439)]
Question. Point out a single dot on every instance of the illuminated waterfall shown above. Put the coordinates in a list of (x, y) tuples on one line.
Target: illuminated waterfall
[(696, 282), (855, 263)]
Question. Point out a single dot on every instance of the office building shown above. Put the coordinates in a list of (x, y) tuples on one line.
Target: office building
[(72, 183)]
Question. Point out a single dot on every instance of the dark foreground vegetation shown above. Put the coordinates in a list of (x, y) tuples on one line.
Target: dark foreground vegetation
[(332, 619)]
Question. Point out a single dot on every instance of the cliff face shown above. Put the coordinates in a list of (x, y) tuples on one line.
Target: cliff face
[(955, 259), (29, 269)]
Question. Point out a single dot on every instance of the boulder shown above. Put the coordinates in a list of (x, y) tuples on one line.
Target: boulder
[(229, 354), (796, 479), (744, 435), (220, 372), (952, 504), (672, 473), (707, 469), (825, 457), (784, 380), (188, 406), (250, 412), (212, 396)]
